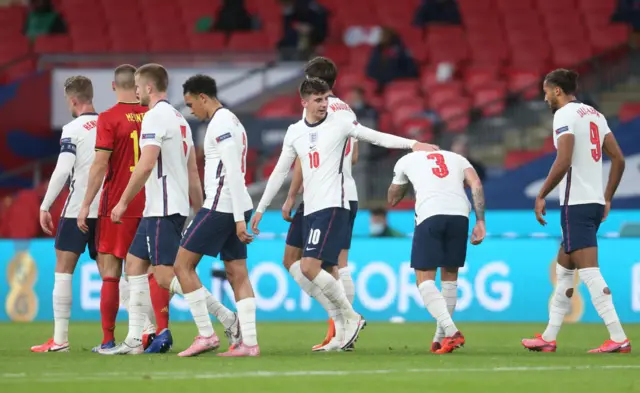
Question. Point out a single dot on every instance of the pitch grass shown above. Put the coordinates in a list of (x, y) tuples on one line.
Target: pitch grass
[(389, 358)]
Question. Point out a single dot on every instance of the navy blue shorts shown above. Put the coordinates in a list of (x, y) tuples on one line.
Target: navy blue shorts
[(353, 212), (296, 228), (157, 239), (580, 225), (440, 241), (325, 232), (70, 238), (212, 233)]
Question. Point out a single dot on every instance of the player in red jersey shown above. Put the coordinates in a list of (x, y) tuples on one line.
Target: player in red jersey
[(117, 154)]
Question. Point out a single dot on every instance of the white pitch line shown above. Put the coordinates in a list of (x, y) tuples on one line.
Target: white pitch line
[(182, 375)]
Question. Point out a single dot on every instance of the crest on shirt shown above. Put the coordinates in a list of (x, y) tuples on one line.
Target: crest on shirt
[(313, 138)]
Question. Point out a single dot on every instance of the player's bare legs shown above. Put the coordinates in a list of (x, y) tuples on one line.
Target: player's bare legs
[(201, 303), (66, 262), (238, 277), (586, 260), (348, 322), (449, 288), (559, 306), (437, 307), (110, 268)]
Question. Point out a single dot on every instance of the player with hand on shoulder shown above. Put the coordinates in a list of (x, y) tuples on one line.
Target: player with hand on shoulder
[(580, 135), (219, 228), (117, 153), (319, 140), (169, 174), (77, 145), (442, 225)]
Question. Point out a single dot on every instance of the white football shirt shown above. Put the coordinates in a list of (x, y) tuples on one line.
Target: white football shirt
[(77, 150), (167, 189), (583, 182), (438, 180), (225, 150), (334, 105), (321, 148)]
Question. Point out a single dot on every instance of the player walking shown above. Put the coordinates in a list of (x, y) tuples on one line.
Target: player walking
[(442, 225), (117, 153), (167, 169), (220, 227), (320, 141), (76, 154), (580, 135), (325, 69)]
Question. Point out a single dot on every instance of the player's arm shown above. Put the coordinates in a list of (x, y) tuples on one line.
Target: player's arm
[(279, 174), (296, 180), (104, 147), (354, 156), (561, 165), (61, 173), (148, 158), (612, 150), (233, 166), (477, 191), (389, 141), (399, 184), (195, 187)]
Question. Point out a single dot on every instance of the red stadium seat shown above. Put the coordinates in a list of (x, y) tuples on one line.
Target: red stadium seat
[(523, 82), (557, 6), (401, 91), (517, 158), (477, 77), (283, 106), (339, 53), (249, 41), (15, 48), (571, 53), (609, 36), (455, 115), (48, 44), (418, 128), (629, 111), (512, 6), (405, 112), (490, 99), (207, 42), (443, 94)]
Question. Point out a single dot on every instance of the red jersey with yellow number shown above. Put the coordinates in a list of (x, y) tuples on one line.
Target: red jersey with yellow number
[(118, 131)]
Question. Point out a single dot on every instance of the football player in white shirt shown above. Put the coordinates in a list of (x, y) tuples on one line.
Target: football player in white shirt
[(219, 228), (581, 134), (168, 172), (319, 141), (442, 225), (77, 145), (325, 69)]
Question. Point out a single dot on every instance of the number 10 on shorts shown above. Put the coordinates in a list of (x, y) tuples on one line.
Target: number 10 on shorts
[(314, 237)]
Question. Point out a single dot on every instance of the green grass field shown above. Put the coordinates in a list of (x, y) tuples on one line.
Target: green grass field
[(389, 357)]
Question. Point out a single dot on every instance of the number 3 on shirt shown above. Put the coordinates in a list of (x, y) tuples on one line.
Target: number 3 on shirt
[(442, 170), (594, 134), (136, 149)]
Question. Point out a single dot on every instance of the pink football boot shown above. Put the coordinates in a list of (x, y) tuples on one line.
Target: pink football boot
[(537, 344), (201, 345)]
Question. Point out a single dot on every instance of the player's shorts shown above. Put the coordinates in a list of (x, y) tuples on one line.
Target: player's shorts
[(115, 239), (353, 212), (580, 225), (212, 233), (440, 241), (295, 236), (158, 239), (325, 232), (70, 238)]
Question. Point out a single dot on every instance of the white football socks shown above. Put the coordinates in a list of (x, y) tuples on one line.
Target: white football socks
[(603, 302), (347, 283), (247, 316), (198, 306), (138, 305), (312, 290), (560, 303), (437, 307), (450, 294), (214, 307), (125, 296), (62, 293), (331, 288)]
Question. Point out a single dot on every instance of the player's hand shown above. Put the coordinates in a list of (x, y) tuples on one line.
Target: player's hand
[(255, 221), (541, 211), (287, 207), (425, 147), (118, 212), (243, 234), (607, 208), (478, 233), (82, 219), (46, 222)]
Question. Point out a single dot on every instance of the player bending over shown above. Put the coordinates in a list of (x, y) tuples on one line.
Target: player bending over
[(168, 172), (320, 140), (116, 155), (580, 135), (442, 225), (76, 154), (220, 227), (325, 69)]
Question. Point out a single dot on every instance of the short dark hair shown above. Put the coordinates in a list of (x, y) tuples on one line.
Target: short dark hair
[(323, 68), (312, 86), (379, 211), (80, 87), (200, 84), (123, 75), (565, 79), (156, 74)]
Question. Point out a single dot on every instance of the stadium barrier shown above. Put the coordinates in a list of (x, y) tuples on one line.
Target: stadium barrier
[(506, 279)]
